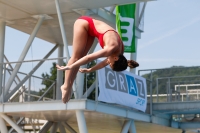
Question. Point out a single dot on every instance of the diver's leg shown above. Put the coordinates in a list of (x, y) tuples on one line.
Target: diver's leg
[(80, 46)]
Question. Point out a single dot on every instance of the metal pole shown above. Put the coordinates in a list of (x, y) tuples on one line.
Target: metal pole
[(151, 99), (79, 81), (18, 122), (61, 128), (142, 13), (46, 127), (29, 89), (24, 52), (157, 90), (54, 127), (133, 56), (87, 93), (54, 92), (59, 74), (126, 126), (169, 91), (132, 128), (81, 121), (62, 28), (179, 91), (46, 92), (68, 127), (2, 41), (3, 127), (96, 88), (112, 8), (13, 124), (29, 74), (11, 68), (4, 82)]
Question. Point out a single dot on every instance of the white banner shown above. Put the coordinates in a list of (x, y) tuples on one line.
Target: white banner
[(123, 88)]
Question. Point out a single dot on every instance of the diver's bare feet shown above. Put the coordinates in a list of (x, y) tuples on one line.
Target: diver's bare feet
[(66, 93)]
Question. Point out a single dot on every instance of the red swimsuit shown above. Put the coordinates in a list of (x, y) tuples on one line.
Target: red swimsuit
[(93, 32)]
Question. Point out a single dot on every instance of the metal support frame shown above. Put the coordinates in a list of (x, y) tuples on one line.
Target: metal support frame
[(112, 8), (133, 56), (61, 128), (46, 127), (54, 127), (2, 41), (81, 121), (129, 125), (19, 121), (132, 128), (23, 54), (126, 126), (93, 46), (3, 127), (62, 28), (68, 127), (59, 80), (11, 68), (96, 87), (46, 91), (29, 74), (13, 124), (142, 13), (107, 15), (29, 89), (89, 90), (79, 81)]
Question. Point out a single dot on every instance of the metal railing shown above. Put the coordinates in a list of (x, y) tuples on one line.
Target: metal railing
[(33, 89), (161, 88), (27, 92)]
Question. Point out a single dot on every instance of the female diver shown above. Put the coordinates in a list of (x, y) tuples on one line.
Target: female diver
[(85, 30)]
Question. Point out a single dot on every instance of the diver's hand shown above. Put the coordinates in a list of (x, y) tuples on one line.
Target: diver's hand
[(63, 67), (85, 70)]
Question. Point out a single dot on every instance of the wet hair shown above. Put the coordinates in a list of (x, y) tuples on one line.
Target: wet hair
[(122, 63)]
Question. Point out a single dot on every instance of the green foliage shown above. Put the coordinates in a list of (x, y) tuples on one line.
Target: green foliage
[(90, 79), (47, 83), (184, 75)]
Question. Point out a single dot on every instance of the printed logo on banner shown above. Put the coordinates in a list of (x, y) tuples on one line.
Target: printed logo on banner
[(127, 30), (141, 89), (111, 82), (123, 88), (122, 82), (131, 85)]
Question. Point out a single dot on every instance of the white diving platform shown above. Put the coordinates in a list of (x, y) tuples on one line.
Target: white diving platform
[(100, 117)]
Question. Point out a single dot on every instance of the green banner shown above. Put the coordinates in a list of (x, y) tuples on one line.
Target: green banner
[(125, 19)]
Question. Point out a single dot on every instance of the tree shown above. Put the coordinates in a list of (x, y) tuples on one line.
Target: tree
[(90, 79), (47, 83)]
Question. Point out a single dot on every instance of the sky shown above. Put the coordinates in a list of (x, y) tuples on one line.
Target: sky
[(171, 34), (171, 37)]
